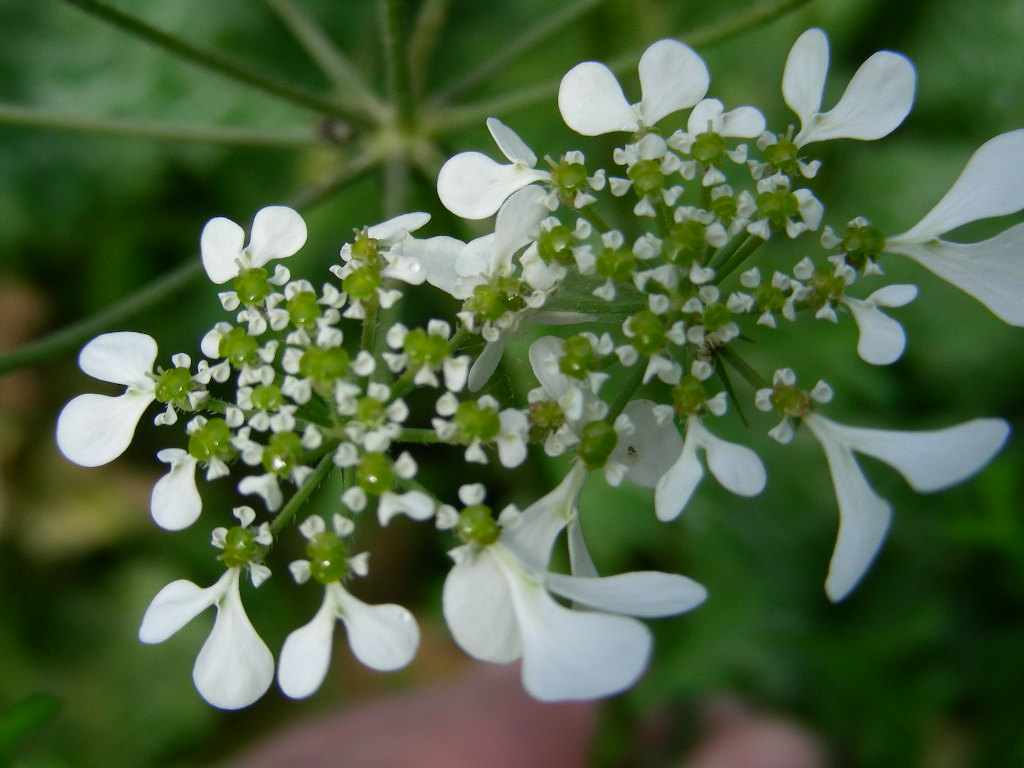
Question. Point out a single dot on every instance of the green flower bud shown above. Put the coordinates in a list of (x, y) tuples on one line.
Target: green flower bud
[(303, 309), (647, 177), (778, 206), (579, 358), (362, 283), (492, 300), (715, 316), (324, 365), (825, 287), (556, 244), (426, 349), (240, 548), (708, 148), (238, 347), (282, 453), (783, 157), (267, 397), (374, 473), (790, 400), (366, 250), (173, 386), (597, 441), (252, 286), (477, 526), (211, 441), (725, 208), (688, 395), (769, 297), (686, 243), (369, 410), (476, 422), (616, 263), (861, 244), (327, 557), (568, 177), (545, 417), (648, 335)]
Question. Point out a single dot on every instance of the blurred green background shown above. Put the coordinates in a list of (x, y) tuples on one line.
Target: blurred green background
[(921, 666)]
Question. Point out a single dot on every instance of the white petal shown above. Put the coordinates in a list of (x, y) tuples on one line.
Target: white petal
[(876, 101), (511, 146), (743, 122), (882, 339), (474, 186), (863, 515), (641, 593), (397, 227), (591, 101), (415, 504), (652, 448), (477, 607), (306, 653), (544, 355), (437, 255), (485, 365), (175, 503), (570, 655), (930, 460), (580, 562), (804, 77), (277, 232), (95, 429), (124, 357), (991, 271), (221, 248), (533, 536), (234, 667), (383, 637), (174, 606), (896, 295), (991, 184), (736, 467), (677, 485), (672, 77), (518, 220)]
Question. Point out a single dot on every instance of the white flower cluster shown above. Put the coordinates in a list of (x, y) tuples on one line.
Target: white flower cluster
[(300, 382)]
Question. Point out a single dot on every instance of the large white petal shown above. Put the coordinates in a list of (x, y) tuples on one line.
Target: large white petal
[(736, 467), (804, 77), (533, 535), (123, 357), (641, 593), (474, 186), (511, 146), (672, 77), (306, 653), (477, 607), (487, 362), (234, 667), (863, 515), (383, 637), (544, 355), (277, 232), (882, 339), (220, 246), (574, 655), (397, 227), (991, 271), (743, 123), (95, 429), (677, 484), (175, 503), (176, 605), (591, 101), (518, 222), (930, 460), (437, 255), (991, 184), (580, 561), (652, 448), (876, 101)]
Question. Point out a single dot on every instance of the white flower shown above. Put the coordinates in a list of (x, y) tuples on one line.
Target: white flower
[(710, 115), (498, 605), (277, 233), (653, 445), (736, 467), (473, 186), (95, 429), (175, 503), (875, 102), (992, 271), (672, 77), (234, 667), (928, 460), (882, 339)]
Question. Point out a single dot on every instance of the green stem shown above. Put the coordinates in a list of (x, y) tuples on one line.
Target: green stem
[(423, 40), (399, 82), (744, 369), (762, 13), (722, 254), (633, 382), (302, 494), (588, 213), (751, 244), (215, 62), (422, 436), (549, 24), (11, 114), (348, 82)]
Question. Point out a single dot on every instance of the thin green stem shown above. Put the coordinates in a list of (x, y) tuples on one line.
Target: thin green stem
[(722, 254), (422, 436), (348, 82), (11, 114), (548, 25), (742, 367), (592, 216), (304, 491), (399, 81), (759, 14), (423, 40), (751, 244), (215, 62)]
